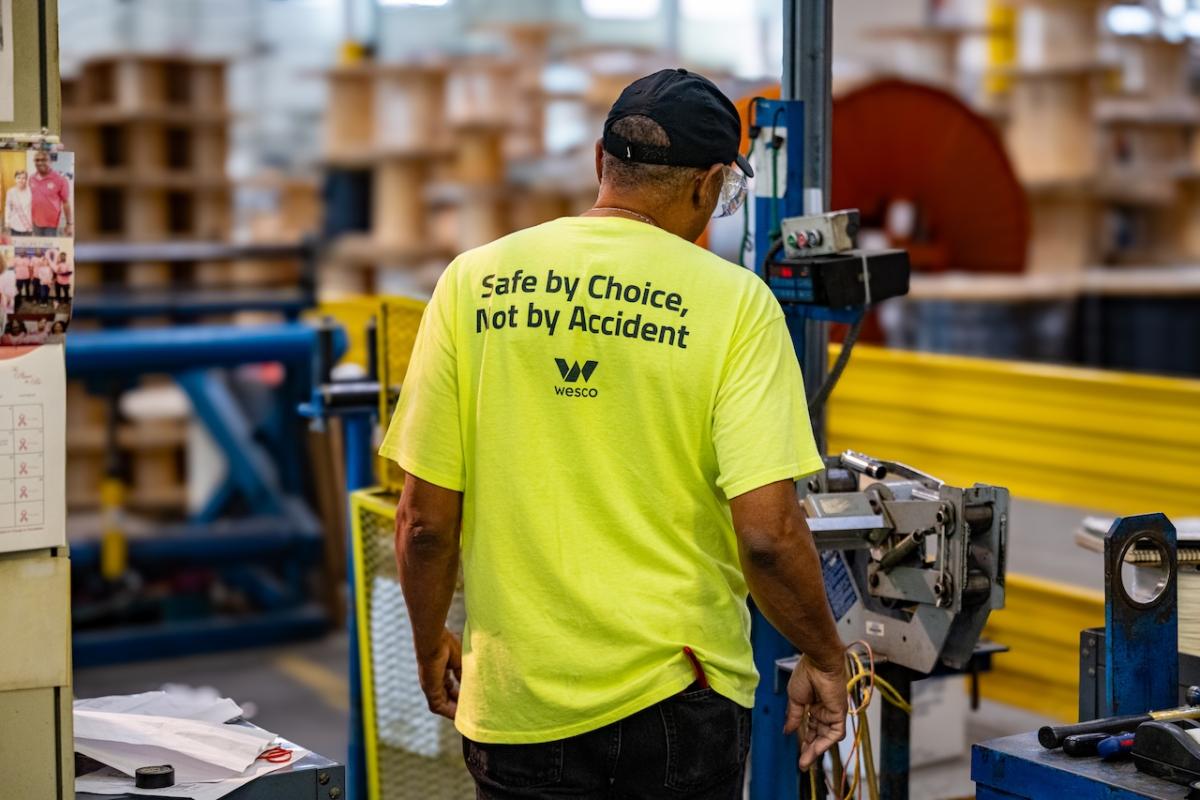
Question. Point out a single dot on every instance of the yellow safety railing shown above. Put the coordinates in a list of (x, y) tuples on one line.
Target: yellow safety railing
[(1040, 623), (1090, 438), (353, 313)]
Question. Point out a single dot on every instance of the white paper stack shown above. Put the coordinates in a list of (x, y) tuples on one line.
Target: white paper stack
[(210, 758)]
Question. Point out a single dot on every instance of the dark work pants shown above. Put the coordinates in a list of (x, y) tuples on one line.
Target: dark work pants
[(692, 745)]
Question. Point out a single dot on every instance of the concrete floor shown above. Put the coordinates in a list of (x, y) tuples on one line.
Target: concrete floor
[(300, 691)]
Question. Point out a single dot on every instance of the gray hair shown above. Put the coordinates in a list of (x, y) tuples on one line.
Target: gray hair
[(634, 176)]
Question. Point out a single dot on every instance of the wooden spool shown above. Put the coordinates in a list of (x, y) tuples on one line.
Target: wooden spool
[(213, 274), (480, 154), (259, 273), (147, 275), (145, 215), (146, 147), (1185, 221), (533, 206), (482, 91), (213, 215), (349, 118), (138, 84), (927, 53), (1063, 239), (84, 409), (287, 208), (209, 150), (88, 276), (410, 107), (1155, 68), (155, 450), (1056, 33), (398, 202), (1145, 149), (207, 86), (1051, 132), (482, 218), (340, 280), (530, 43)]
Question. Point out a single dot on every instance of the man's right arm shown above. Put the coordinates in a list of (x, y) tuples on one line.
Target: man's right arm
[(783, 571)]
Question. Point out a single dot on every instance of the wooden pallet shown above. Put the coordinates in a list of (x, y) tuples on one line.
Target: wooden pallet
[(151, 139)]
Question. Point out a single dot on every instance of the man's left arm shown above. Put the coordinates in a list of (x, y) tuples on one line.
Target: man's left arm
[(425, 440), (428, 520), (68, 213)]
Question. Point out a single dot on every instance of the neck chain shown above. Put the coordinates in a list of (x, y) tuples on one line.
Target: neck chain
[(642, 217)]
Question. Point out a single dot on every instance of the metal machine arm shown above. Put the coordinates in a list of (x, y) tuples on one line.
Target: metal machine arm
[(912, 565)]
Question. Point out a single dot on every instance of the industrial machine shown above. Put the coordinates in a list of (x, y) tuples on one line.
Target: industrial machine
[(911, 565)]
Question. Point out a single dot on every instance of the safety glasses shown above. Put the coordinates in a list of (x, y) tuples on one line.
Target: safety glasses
[(733, 192)]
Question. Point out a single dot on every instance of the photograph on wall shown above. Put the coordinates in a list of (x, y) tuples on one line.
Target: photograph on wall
[(38, 189), (7, 77), (36, 290)]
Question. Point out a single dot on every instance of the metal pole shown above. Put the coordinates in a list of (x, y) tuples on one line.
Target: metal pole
[(894, 740), (807, 76), (356, 438)]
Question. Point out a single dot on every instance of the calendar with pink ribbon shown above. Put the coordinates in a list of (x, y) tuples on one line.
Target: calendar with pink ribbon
[(32, 448)]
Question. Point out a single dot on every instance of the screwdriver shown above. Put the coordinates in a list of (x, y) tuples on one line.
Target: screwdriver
[(1115, 747)]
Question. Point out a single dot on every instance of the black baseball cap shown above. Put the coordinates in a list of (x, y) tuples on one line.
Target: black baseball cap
[(701, 122)]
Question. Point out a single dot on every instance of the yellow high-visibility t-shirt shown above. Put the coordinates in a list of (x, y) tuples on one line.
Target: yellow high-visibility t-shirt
[(598, 388)]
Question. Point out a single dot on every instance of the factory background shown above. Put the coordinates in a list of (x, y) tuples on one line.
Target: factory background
[(1038, 159)]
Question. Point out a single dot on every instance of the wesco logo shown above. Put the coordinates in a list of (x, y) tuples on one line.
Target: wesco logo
[(571, 373)]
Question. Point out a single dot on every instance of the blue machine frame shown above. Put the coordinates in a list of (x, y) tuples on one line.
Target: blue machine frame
[(358, 425), (772, 755), (285, 532)]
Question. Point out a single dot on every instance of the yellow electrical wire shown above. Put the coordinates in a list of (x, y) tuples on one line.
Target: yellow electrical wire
[(864, 681)]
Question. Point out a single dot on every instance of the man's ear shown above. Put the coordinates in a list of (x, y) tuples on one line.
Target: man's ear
[(707, 186), (600, 160)]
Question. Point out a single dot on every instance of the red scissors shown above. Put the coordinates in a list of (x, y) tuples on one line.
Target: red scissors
[(276, 755)]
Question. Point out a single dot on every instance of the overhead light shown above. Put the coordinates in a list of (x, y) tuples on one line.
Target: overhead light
[(712, 9), (412, 3), (621, 9), (1173, 8), (1190, 23), (1130, 20)]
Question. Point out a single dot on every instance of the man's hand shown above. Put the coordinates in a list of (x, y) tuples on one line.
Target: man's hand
[(817, 707), (69, 229), (440, 675)]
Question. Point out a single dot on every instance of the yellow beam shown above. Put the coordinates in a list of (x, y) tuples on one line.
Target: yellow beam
[(1040, 623), (1096, 439)]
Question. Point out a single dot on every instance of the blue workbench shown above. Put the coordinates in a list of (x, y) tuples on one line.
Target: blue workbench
[(1019, 761)]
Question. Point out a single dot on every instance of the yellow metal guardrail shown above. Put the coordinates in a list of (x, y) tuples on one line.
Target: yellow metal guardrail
[(1040, 622), (409, 752), (1095, 439), (1091, 438), (353, 313)]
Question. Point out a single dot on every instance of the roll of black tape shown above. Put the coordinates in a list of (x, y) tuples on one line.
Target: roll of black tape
[(154, 777)]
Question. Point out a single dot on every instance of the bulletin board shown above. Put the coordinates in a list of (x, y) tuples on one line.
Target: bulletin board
[(30, 96)]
